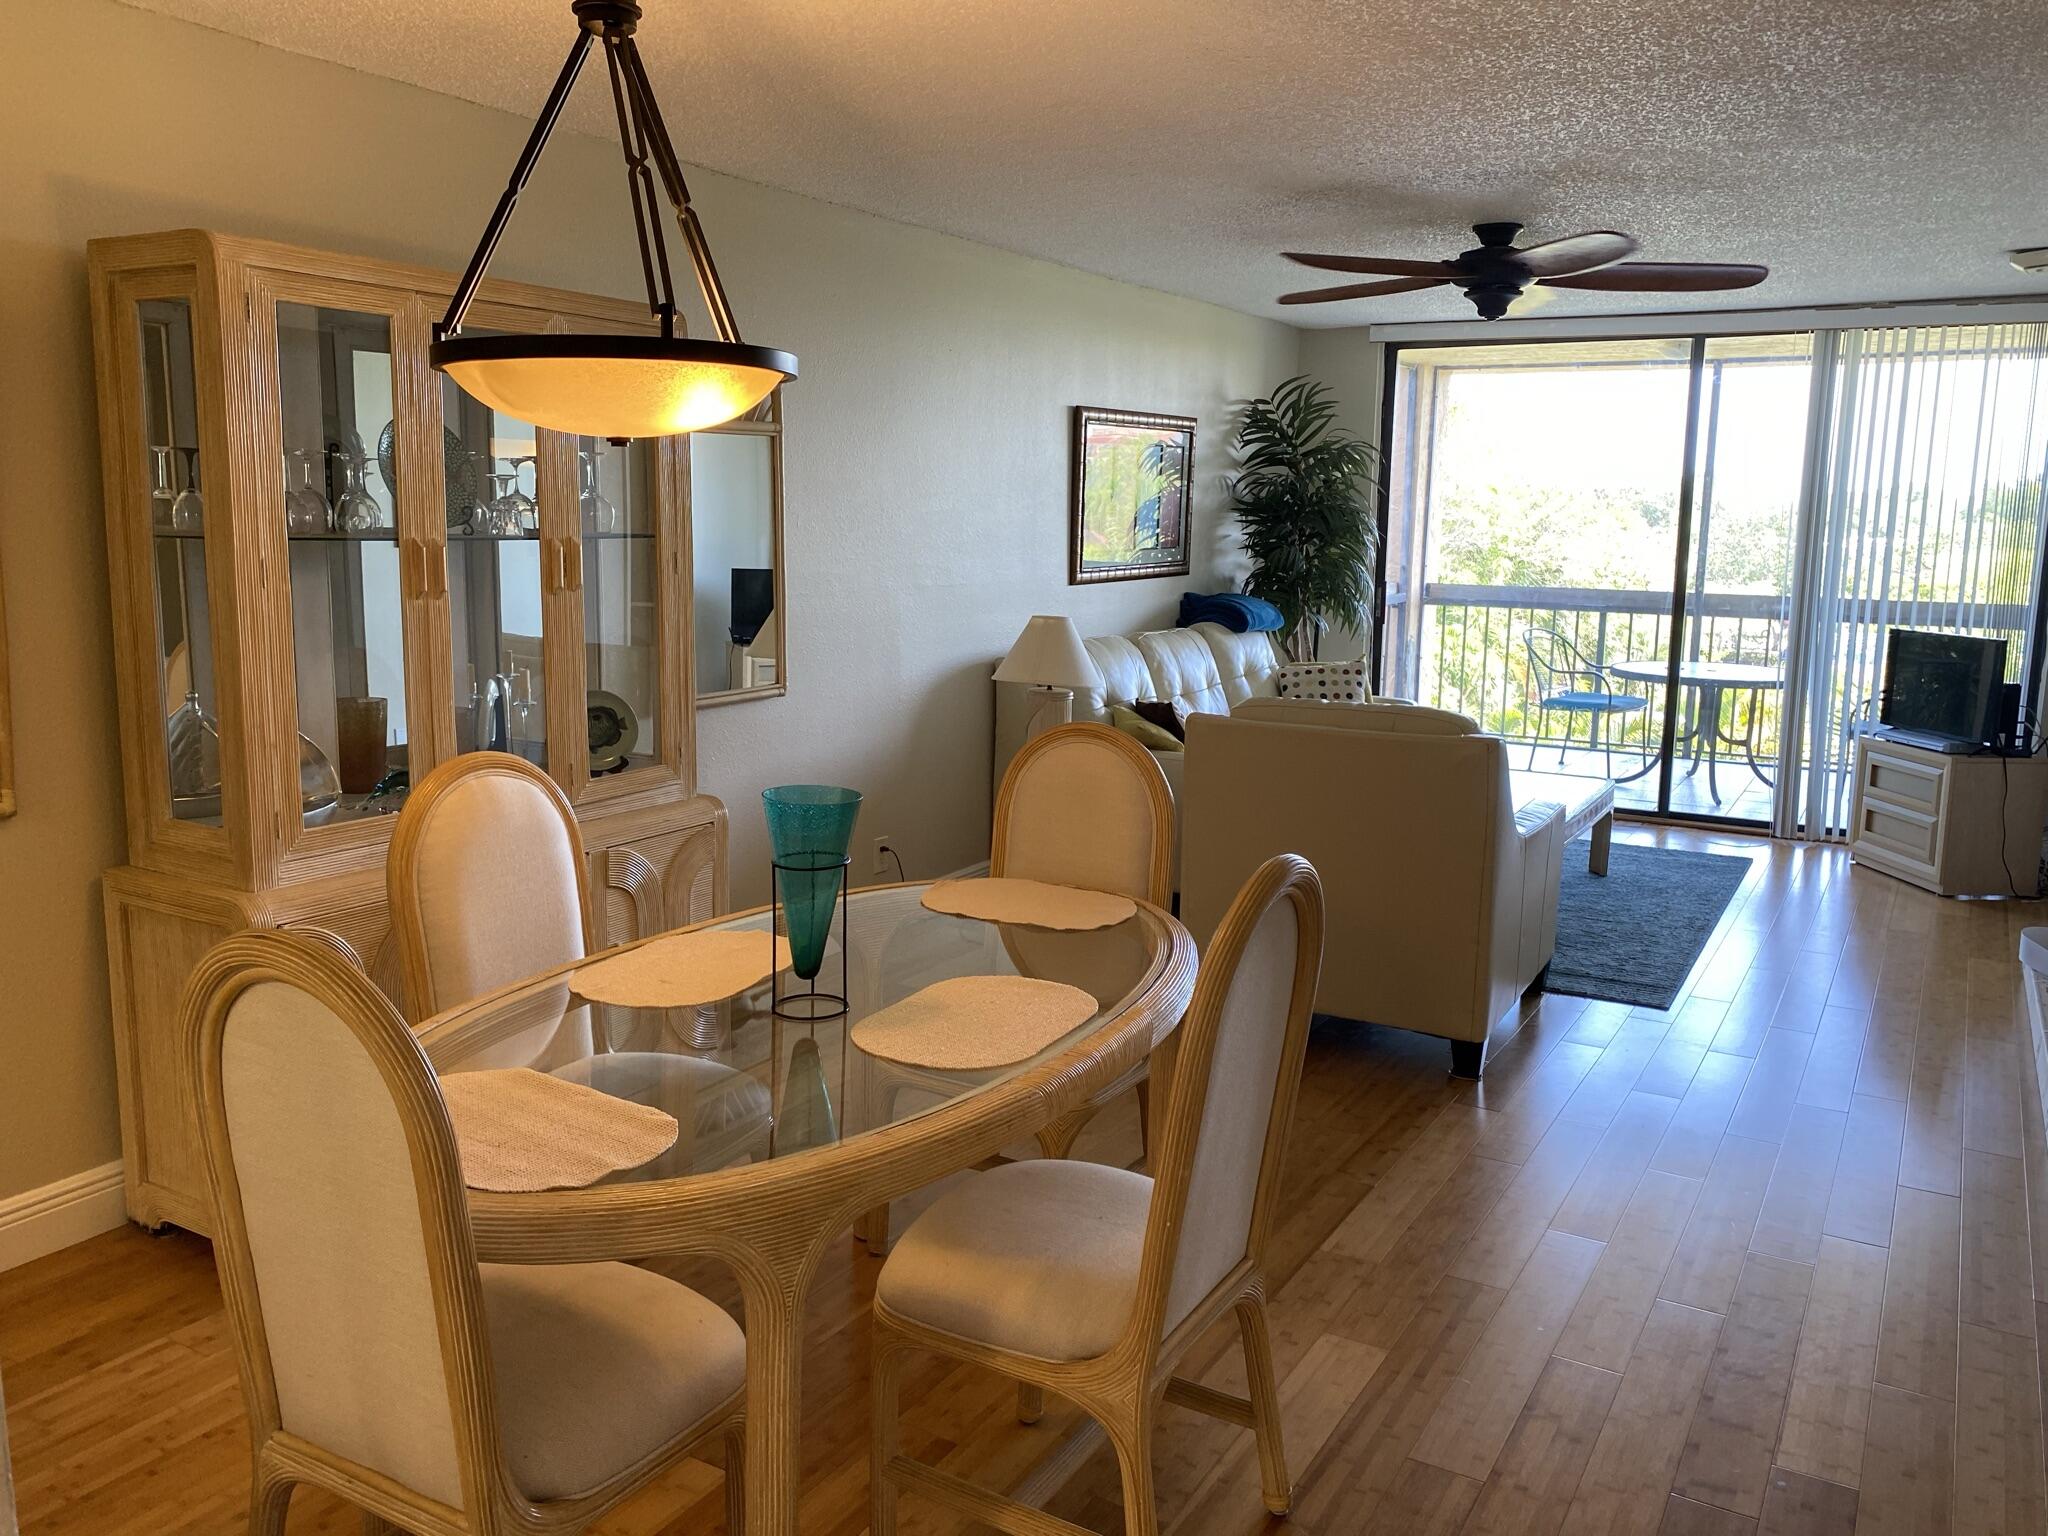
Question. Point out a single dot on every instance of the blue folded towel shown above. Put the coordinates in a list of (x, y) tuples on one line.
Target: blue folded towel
[(1233, 610)]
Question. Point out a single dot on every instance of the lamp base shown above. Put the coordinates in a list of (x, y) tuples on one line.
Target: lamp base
[(1050, 709)]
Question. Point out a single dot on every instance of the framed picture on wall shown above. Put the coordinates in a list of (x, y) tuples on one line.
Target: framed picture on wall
[(1132, 490)]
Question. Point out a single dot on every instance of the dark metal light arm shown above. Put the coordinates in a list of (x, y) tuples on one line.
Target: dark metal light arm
[(644, 137), (522, 171)]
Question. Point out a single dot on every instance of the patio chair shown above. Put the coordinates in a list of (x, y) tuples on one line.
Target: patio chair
[(1564, 679)]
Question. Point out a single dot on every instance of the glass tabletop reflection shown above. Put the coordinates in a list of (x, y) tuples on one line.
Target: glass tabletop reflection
[(747, 1084)]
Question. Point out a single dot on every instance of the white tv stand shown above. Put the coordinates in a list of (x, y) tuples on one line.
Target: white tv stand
[(1934, 818)]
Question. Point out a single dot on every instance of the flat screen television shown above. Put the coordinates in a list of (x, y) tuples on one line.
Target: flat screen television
[(1942, 685), (753, 601)]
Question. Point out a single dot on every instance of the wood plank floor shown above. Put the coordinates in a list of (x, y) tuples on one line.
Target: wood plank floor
[(1773, 1261)]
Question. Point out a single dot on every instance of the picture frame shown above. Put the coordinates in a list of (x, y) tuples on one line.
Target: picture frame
[(1131, 511)]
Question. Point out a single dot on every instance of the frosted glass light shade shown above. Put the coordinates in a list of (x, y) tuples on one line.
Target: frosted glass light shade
[(614, 386), (1049, 654)]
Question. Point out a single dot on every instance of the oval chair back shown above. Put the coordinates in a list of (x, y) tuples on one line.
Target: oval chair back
[(1087, 806), (1236, 1076), (487, 881), (341, 1225)]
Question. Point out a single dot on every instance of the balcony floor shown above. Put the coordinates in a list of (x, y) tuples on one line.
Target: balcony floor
[(1743, 795)]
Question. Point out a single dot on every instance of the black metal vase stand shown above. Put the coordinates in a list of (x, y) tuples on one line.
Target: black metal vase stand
[(811, 1005)]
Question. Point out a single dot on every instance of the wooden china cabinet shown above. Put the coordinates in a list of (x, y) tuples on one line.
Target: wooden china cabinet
[(333, 570)]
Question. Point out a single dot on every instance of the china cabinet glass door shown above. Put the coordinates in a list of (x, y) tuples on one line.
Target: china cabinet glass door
[(620, 576), (492, 475), (338, 502), (172, 470)]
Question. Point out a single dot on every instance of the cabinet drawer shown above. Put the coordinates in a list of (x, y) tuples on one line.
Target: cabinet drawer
[(1901, 782), (1904, 834)]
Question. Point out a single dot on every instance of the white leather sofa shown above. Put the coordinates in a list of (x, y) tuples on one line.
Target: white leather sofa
[(1441, 888), (1205, 668)]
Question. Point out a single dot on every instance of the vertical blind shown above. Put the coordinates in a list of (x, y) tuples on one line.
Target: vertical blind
[(1926, 478)]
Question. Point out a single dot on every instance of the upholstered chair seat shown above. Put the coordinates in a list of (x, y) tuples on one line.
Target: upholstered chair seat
[(1038, 1257), (598, 1367)]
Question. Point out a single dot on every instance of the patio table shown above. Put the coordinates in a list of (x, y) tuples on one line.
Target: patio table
[(1704, 738)]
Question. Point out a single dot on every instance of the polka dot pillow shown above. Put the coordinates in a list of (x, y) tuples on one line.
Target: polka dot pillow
[(1334, 682)]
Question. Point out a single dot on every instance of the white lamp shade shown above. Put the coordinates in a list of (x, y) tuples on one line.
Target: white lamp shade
[(1049, 654)]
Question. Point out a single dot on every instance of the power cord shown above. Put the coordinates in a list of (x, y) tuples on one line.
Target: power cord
[(901, 878), (2025, 742)]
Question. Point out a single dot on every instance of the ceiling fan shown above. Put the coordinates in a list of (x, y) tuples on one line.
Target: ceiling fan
[(1495, 273)]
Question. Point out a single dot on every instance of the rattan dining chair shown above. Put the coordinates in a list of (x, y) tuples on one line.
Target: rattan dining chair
[(1093, 1282), (488, 884), (1087, 806), (379, 1360)]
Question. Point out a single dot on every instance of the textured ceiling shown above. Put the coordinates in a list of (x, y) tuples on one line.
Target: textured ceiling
[(1873, 150)]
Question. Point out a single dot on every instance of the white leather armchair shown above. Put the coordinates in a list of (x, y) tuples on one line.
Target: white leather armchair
[(1442, 895)]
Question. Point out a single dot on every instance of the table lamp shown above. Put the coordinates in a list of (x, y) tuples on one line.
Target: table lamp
[(1049, 657)]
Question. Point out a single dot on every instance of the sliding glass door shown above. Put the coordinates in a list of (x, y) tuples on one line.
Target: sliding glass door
[(1559, 511), (1540, 502)]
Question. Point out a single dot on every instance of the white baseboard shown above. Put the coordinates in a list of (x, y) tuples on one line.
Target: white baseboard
[(40, 1221)]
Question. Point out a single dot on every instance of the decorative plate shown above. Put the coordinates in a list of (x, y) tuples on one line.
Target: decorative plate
[(613, 730), (458, 472)]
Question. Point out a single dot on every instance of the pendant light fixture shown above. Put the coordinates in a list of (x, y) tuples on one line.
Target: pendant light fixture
[(596, 385)]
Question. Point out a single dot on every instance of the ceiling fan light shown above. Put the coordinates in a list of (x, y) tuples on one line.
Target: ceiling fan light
[(614, 386)]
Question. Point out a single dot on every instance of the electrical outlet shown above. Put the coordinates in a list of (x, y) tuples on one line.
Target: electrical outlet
[(883, 864)]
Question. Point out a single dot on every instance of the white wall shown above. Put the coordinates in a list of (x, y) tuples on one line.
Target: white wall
[(926, 460), (1351, 365)]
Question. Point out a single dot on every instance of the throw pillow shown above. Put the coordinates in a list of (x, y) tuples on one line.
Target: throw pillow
[(1334, 682), (1131, 723), (1163, 713)]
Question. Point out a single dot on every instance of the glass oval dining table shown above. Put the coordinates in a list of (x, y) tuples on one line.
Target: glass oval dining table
[(789, 1132)]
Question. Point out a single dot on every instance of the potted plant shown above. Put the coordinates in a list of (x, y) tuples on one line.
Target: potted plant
[(1305, 499)]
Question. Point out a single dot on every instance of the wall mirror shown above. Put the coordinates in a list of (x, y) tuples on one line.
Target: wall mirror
[(736, 547)]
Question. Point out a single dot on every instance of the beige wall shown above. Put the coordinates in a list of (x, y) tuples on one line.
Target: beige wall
[(926, 472), (1351, 366)]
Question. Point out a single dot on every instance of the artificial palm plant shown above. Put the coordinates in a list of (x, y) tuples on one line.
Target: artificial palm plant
[(1305, 499)]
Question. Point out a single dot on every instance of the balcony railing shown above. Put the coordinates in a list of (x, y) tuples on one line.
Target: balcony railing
[(1466, 651)]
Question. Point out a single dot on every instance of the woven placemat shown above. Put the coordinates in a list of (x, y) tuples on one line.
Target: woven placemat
[(971, 1023), (1033, 903), (683, 969), (519, 1130)]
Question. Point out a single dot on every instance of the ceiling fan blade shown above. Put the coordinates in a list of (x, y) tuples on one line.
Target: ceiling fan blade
[(1665, 277), (1362, 290), (1386, 266), (1576, 253)]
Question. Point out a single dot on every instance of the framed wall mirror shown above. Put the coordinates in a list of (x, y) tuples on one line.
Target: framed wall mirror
[(1133, 473), (736, 549)]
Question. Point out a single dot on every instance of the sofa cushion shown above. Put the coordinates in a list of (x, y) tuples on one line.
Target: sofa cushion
[(1125, 676), (1183, 671), (1148, 734), (1246, 665), (1165, 714), (1334, 682)]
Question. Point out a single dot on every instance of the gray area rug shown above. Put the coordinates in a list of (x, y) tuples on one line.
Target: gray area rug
[(1630, 936)]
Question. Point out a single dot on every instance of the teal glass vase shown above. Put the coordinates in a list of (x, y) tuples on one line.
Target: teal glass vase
[(810, 829)]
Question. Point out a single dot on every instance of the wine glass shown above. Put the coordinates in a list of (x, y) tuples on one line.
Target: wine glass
[(305, 505), (357, 510), (188, 512), (161, 496), (512, 506), (529, 508), (599, 515), (480, 515)]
